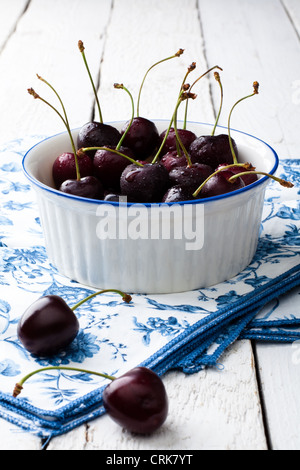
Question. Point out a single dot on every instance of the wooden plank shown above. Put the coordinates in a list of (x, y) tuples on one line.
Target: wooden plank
[(50, 49), (292, 8), (14, 438), (10, 14), (146, 39), (266, 52), (251, 42), (279, 370)]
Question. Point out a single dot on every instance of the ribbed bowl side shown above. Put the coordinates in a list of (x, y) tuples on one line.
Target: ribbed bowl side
[(152, 265), (231, 239)]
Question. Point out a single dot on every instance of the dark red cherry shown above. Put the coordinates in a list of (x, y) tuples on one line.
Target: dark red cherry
[(108, 166), (116, 197), (113, 197), (97, 134), (186, 137), (212, 150), (142, 137), (218, 184), (172, 160), (64, 167), (146, 183), (248, 179), (137, 401), (88, 187), (47, 326), (177, 193), (190, 176)]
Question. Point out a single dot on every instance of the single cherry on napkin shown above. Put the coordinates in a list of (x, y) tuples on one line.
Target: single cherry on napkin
[(50, 325), (137, 400)]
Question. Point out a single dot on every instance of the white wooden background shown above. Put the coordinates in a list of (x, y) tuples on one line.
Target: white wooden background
[(254, 402)]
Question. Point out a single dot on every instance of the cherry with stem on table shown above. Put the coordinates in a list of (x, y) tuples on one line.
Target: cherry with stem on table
[(136, 401)]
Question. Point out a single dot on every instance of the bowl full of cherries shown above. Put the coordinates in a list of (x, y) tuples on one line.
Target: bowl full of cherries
[(150, 205)]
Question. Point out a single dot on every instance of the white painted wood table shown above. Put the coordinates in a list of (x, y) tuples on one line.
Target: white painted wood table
[(254, 403)]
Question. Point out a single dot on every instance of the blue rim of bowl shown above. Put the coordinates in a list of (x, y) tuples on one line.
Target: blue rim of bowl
[(259, 182)]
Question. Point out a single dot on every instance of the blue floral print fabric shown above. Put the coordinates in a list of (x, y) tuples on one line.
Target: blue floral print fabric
[(186, 331)]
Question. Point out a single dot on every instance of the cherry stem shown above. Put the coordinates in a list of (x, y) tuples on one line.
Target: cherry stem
[(32, 92), (163, 141), (126, 297), (199, 78), (247, 166), (120, 85), (217, 77), (88, 149), (189, 70), (81, 49), (177, 54), (183, 85), (19, 386), (286, 184), (255, 92), (182, 96), (60, 100), (183, 88)]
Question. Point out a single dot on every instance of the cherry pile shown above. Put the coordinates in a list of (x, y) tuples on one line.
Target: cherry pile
[(147, 166)]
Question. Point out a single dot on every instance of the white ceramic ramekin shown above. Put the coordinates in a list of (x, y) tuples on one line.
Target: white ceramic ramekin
[(151, 248)]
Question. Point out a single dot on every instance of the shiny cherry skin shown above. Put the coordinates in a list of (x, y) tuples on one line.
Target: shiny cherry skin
[(218, 184), (190, 177), (186, 137), (248, 179), (172, 160), (47, 326), (88, 187), (97, 134), (177, 193), (137, 401), (111, 196), (212, 150), (142, 137), (108, 166), (64, 167), (115, 196), (144, 184)]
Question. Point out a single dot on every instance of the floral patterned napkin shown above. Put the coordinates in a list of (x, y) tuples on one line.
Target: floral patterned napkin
[(186, 331)]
